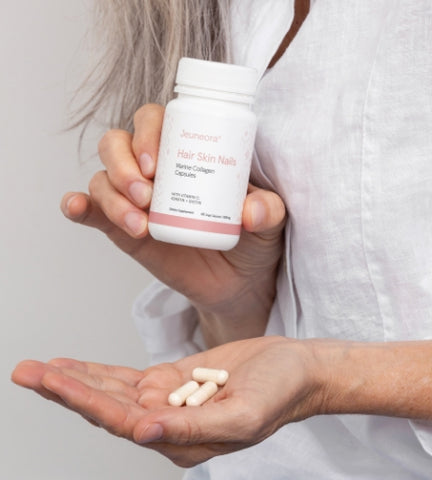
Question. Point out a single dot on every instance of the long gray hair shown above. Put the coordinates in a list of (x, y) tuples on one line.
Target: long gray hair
[(142, 41)]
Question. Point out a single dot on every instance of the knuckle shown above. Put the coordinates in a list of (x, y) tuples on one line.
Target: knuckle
[(148, 112), (187, 434), (95, 183), (120, 427), (151, 376), (111, 139), (184, 433)]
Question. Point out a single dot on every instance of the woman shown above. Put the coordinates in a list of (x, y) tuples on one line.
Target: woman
[(342, 289)]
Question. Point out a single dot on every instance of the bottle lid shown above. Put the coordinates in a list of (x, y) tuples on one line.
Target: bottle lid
[(217, 76)]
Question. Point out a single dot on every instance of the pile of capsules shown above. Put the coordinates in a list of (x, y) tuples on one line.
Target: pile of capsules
[(192, 393)]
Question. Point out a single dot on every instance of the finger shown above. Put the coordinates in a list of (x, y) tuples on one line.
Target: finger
[(157, 383), (115, 152), (29, 374), (79, 208), (106, 410), (129, 376), (154, 398), (162, 375), (264, 212), (145, 144), (104, 384), (120, 217), (118, 209)]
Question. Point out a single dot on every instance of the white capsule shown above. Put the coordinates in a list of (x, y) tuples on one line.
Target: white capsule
[(210, 375), (179, 396), (204, 393)]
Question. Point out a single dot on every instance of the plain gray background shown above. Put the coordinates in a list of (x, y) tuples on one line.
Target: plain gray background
[(64, 289)]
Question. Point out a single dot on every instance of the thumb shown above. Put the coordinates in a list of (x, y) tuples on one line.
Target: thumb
[(264, 211), (213, 422)]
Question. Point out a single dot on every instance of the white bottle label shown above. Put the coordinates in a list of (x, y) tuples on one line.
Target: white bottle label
[(203, 173)]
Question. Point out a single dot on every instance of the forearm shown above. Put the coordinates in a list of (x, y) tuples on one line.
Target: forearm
[(392, 379)]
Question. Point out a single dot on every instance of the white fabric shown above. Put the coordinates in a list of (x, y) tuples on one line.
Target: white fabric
[(345, 137)]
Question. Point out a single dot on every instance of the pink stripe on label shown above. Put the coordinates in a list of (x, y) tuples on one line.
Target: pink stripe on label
[(192, 224)]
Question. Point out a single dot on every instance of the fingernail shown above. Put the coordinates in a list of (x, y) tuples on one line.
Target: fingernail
[(135, 222), (152, 433), (147, 164), (258, 213), (141, 193), (66, 208)]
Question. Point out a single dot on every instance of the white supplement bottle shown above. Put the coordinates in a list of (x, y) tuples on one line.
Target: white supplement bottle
[(205, 154)]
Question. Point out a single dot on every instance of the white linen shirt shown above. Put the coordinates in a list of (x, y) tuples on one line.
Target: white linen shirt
[(345, 137)]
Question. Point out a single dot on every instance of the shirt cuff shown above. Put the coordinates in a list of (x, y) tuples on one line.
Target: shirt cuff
[(167, 323)]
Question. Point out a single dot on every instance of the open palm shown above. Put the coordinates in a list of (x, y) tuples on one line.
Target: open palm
[(133, 404)]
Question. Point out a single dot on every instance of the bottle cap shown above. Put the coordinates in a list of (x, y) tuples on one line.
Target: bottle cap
[(217, 76)]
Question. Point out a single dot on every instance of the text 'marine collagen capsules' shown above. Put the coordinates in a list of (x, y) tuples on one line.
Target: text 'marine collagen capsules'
[(205, 154)]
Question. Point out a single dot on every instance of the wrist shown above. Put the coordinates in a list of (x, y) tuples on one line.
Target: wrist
[(226, 325), (334, 375), (244, 316), (378, 378), (333, 383)]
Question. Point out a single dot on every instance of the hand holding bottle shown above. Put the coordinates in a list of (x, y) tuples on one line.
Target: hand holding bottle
[(239, 283)]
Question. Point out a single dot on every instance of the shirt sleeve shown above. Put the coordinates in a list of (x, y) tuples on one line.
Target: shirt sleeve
[(423, 432), (167, 324)]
